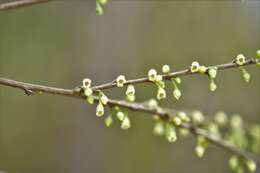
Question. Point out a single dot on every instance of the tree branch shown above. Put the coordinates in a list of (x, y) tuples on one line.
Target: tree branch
[(175, 74), (20, 3)]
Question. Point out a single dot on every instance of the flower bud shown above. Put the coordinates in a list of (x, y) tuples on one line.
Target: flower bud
[(221, 118), (104, 99), (183, 116), (202, 69), (86, 83), (170, 133), (99, 9), (241, 59), (176, 93), (108, 120), (100, 110), (120, 81), (152, 75), (125, 123), (120, 115), (194, 67), (246, 76), (165, 68), (258, 53), (197, 117), (90, 99), (130, 91), (152, 103), (233, 162), (212, 72), (161, 94), (236, 121), (251, 165), (178, 80), (212, 86), (88, 92), (200, 150), (158, 128), (103, 2), (130, 98), (176, 120)]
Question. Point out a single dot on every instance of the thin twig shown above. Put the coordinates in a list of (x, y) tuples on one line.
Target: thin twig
[(20, 3), (163, 113), (174, 74)]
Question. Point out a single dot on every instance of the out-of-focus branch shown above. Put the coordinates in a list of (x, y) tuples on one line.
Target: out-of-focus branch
[(20, 3), (162, 112)]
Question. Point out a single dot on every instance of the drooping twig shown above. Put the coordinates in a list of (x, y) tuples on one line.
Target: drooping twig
[(20, 3), (162, 112)]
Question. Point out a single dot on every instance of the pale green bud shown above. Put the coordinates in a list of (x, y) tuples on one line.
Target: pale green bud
[(200, 150), (152, 75), (212, 86), (233, 162), (184, 132), (104, 99), (194, 67), (212, 72), (125, 123), (221, 118), (202, 69), (120, 115), (100, 110), (236, 121), (161, 94), (120, 81), (158, 128), (176, 120), (178, 80), (159, 78), (197, 117), (108, 120), (130, 98), (165, 68), (152, 103), (176, 93), (170, 133), (130, 91), (86, 83), (99, 9), (258, 53), (246, 76), (160, 83), (183, 116), (90, 99), (251, 165), (88, 92), (241, 59)]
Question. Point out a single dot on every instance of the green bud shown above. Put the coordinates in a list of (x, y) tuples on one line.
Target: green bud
[(251, 165), (212, 86), (194, 67), (161, 94), (86, 83), (125, 123), (258, 53), (221, 118), (160, 83), (152, 103), (99, 9), (120, 115), (197, 117), (183, 116), (200, 150), (212, 72), (130, 98), (102, 2), (130, 91), (88, 92), (165, 68), (90, 99), (176, 120), (104, 99), (108, 120), (178, 80), (233, 162), (120, 81), (236, 121), (184, 132), (176, 93), (158, 128), (202, 69), (152, 75), (100, 110), (170, 133), (246, 76)]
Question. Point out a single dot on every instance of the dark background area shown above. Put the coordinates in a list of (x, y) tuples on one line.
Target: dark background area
[(60, 43)]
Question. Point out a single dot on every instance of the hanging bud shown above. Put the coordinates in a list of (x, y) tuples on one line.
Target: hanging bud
[(212, 86), (258, 53), (86, 83), (212, 72), (108, 120), (104, 99), (100, 110), (161, 94), (178, 80), (233, 162), (184, 132), (99, 9), (102, 2), (120, 115), (120, 81), (125, 123), (221, 118), (170, 133), (88, 92), (165, 68), (197, 117), (152, 75), (176, 120), (241, 59), (251, 165), (200, 150), (176, 93), (183, 116), (202, 69), (236, 121), (245, 75), (158, 128), (130, 91), (90, 99), (194, 67)]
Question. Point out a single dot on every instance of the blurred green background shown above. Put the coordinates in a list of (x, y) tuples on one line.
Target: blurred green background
[(62, 42)]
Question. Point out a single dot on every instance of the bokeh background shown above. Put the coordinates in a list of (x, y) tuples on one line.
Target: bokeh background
[(62, 42)]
